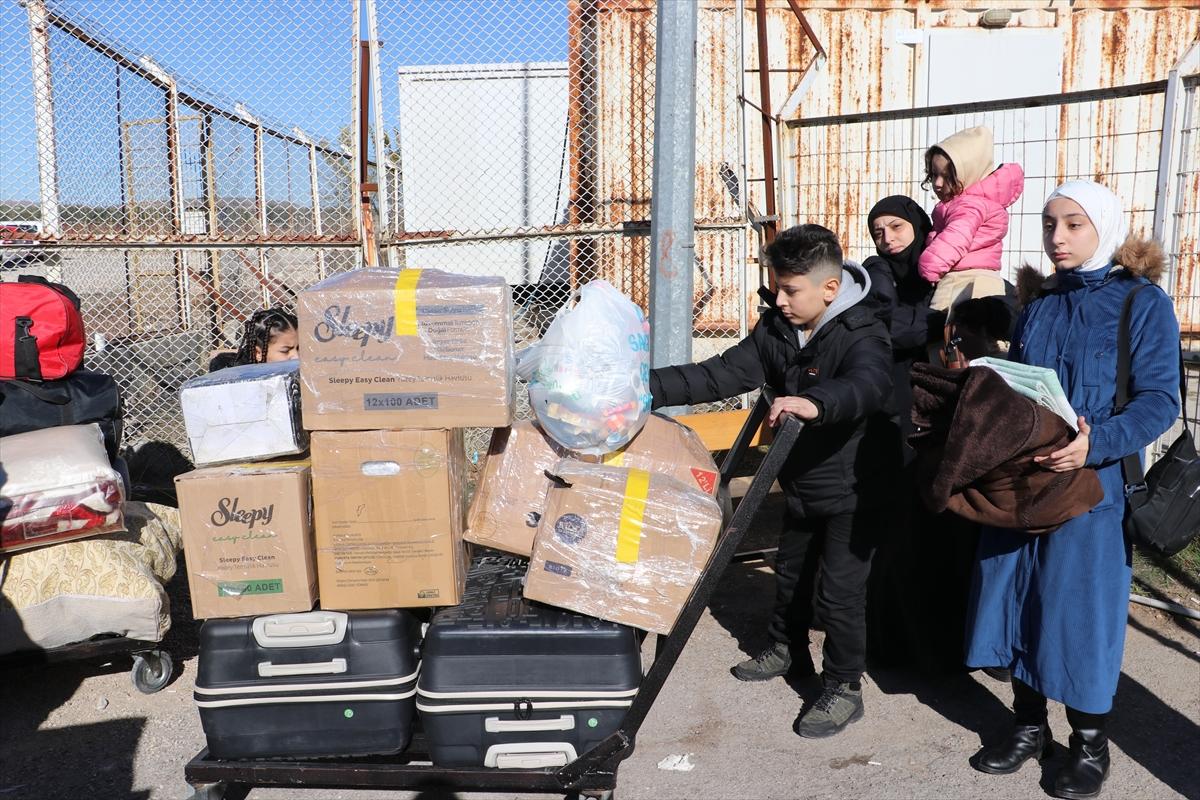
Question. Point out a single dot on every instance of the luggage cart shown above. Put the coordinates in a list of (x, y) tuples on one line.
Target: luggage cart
[(152, 666), (592, 774)]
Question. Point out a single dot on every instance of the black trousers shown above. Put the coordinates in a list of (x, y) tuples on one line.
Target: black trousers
[(833, 556)]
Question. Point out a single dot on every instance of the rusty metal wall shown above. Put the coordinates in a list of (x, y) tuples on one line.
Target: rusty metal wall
[(611, 125), (1108, 43), (845, 163)]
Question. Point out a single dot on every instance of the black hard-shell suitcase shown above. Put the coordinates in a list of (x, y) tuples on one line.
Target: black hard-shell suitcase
[(506, 682), (77, 399), (322, 683)]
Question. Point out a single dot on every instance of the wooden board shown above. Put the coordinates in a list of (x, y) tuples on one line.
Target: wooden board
[(719, 429)]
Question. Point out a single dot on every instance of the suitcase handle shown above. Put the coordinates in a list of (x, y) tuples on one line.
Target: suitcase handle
[(529, 755), (310, 629), (496, 725), (335, 667)]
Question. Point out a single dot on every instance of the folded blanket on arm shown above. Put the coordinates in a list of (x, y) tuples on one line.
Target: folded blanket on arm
[(976, 440)]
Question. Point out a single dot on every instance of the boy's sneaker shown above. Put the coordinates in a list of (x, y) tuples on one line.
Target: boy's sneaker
[(773, 662), (837, 707)]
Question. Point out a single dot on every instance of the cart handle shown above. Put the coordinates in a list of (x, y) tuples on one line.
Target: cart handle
[(758, 414)]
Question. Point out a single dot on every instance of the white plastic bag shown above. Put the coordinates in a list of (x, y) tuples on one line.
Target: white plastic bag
[(589, 376)]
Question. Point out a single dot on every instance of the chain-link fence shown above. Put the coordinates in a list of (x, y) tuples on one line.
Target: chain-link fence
[(184, 163), (177, 165), (838, 167), (525, 148)]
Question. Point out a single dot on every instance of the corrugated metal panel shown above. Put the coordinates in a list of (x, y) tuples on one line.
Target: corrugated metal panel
[(1106, 43), (620, 145), (1120, 46)]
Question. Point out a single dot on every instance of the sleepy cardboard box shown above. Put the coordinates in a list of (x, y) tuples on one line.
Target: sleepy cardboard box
[(390, 513), (248, 539), (621, 544), (388, 349), (512, 487)]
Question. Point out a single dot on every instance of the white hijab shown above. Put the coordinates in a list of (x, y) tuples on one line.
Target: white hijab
[(1104, 210)]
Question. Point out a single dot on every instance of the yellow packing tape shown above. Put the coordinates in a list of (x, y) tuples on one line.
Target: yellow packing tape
[(406, 302), (616, 459), (629, 534)]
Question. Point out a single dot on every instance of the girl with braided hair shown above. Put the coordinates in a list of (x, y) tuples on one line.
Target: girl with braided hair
[(270, 335)]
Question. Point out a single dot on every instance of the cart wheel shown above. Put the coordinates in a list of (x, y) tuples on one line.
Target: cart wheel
[(208, 791), (151, 670)]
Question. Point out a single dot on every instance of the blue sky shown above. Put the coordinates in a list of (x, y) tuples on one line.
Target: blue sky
[(288, 60)]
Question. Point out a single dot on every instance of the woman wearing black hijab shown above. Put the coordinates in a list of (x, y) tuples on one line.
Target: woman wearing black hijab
[(899, 228), (920, 576)]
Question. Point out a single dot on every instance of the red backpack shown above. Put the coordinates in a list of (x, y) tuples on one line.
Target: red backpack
[(41, 330)]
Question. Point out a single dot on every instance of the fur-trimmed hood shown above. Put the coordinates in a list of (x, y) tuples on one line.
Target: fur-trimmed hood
[(1143, 258)]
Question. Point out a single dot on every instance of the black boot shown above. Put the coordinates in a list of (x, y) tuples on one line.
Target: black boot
[(1029, 738), (1087, 765)]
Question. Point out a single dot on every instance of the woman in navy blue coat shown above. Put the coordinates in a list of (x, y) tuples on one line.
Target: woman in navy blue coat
[(1053, 608)]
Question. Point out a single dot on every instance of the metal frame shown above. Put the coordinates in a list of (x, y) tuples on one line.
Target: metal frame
[(673, 188), (594, 772), (1037, 101)]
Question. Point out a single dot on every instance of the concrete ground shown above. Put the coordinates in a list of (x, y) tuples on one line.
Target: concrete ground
[(77, 730)]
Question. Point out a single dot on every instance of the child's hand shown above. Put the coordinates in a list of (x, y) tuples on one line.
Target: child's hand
[(802, 407), (1073, 456)]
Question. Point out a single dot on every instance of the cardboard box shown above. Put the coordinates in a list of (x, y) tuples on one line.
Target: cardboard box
[(625, 545), (244, 413), (390, 514), (247, 539), (670, 448), (511, 492), (387, 349)]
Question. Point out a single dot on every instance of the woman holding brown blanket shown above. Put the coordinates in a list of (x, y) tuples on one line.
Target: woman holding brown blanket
[(1053, 607)]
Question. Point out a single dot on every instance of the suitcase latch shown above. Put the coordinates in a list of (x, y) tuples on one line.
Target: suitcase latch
[(523, 709)]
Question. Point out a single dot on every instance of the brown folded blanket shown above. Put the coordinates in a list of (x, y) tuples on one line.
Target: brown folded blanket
[(976, 440)]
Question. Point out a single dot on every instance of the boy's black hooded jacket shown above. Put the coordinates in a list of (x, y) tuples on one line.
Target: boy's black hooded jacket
[(850, 455)]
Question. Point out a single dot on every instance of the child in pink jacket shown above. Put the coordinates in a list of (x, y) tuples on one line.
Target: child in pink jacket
[(962, 253)]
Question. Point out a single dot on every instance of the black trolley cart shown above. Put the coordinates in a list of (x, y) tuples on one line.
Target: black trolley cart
[(152, 665), (593, 773)]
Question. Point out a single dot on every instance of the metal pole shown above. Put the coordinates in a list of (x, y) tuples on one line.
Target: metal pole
[(43, 115), (1166, 153), (208, 198), (354, 187), (365, 187), (315, 193), (175, 175), (768, 128), (526, 146), (672, 200), (260, 193), (1168, 163), (381, 154)]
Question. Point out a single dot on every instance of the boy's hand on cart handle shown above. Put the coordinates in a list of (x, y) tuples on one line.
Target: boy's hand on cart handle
[(802, 407), (1073, 456)]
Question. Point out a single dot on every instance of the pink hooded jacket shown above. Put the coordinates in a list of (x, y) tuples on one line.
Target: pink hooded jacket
[(968, 231)]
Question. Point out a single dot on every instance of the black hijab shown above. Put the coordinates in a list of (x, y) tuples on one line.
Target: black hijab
[(904, 263)]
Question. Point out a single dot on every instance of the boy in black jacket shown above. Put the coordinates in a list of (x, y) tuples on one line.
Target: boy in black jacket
[(825, 351)]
